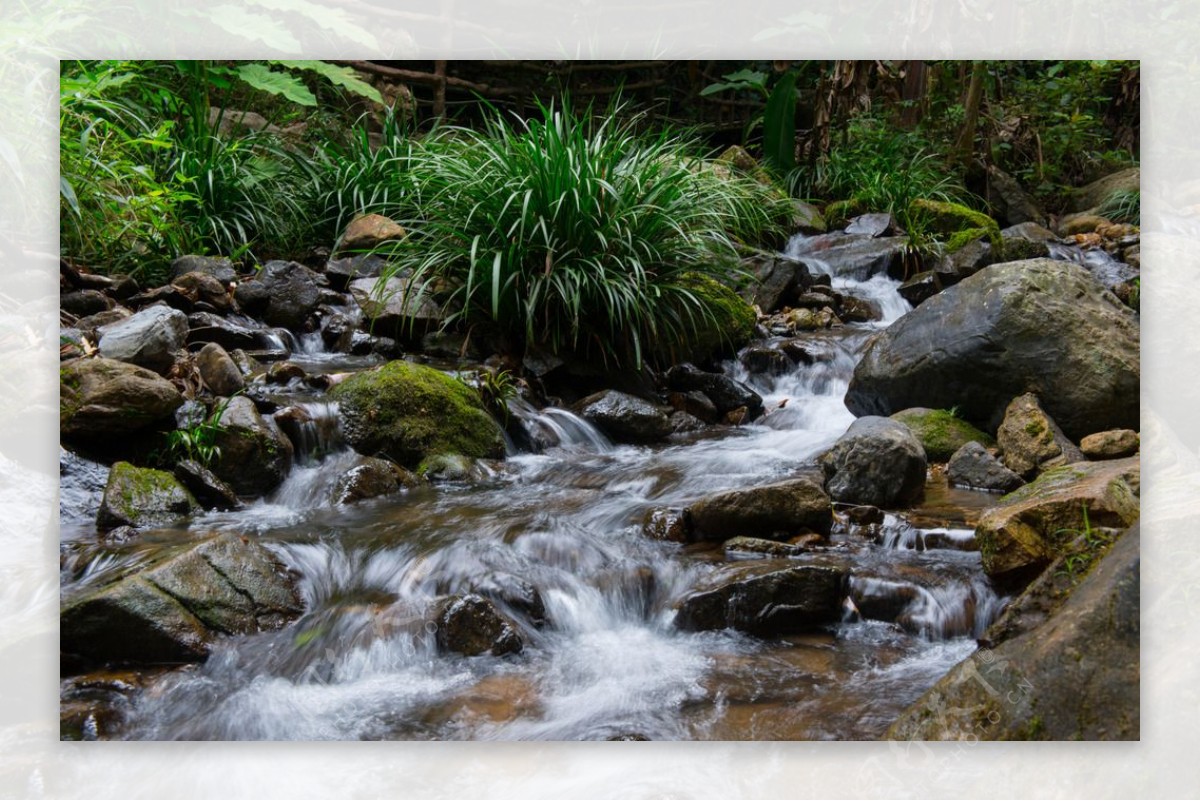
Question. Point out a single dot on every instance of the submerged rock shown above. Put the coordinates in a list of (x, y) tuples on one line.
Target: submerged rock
[(1031, 526), (624, 417), (1043, 326), (470, 625), (175, 610), (408, 412), (1030, 442), (764, 600), (142, 498), (775, 511), (878, 461), (371, 479)]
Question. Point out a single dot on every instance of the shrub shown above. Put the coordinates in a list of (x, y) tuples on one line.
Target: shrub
[(576, 232)]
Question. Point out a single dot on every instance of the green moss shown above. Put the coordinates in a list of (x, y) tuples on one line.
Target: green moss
[(142, 496), (951, 219), (728, 324), (839, 212), (940, 432), (965, 237), (1021, 249), (408, 412)]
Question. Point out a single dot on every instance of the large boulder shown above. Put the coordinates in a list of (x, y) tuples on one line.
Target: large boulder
[(878, 462), (1033, 326), (1069, 670), (142, 498), (175, 610), (396, 307), (470, 625), (1030, 527), (100, 398), (255, 455), (408, 412), (149, 339), (941, 432), (293, 293), (764, 599), (624, 417), (1030, 441), (776, 511), (972, 466)]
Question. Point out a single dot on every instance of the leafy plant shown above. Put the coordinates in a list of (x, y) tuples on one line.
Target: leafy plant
[(575, 231), (1091, 543), (778, 119), (198, 441), (1123, 205), (495, 387)]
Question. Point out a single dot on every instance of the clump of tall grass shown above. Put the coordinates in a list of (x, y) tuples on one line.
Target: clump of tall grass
[(1123, 205), (576, 231)]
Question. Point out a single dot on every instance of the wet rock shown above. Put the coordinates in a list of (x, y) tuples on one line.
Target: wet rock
[(972, 466), (807, 219), (877, 461), (372, 479), (204, 291), (796, 320), (368, 232), (255, 455), (696, 404), (805, 351), (453, 345), (921, 287), (864, 515), (408, 412), (777, 281), (81, 484), (148, 339), (624, 417), (205, 327), (341, 272), (217, 267), (209, 491), (1043, 326), (761, 360), (397, 308), (175, 610), (445, 467), (775, 511), (142, 498), (89, 326), (964, 262), (857, 255), (252, 297), (1069, 671), (1115, 444), (1074, 224), (683, 423), (85, 302), (515, 593), (1031, 526), (764, 600), (665, 524), (337, 332), (858, 310), (878, 599), (293, 293), (1030, 442), (99, 398), (284, 373), (219, 372), (725, 393), (755, 545), (941, 433), (470, 625)]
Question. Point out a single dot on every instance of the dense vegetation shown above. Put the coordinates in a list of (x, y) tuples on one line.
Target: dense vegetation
[(569, 225)]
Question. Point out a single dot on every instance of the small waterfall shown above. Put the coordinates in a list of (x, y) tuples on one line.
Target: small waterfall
[(315, 430), (943, 611), (1101, 264)]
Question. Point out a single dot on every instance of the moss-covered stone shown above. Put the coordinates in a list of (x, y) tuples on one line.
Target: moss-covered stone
[(940, 432), (408, 412), (141, 497), (951, 219), (727, 326), (839, 212)]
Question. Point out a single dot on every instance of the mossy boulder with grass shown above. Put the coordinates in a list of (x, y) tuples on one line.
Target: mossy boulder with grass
[(955, 221), (941, 433), (407, 412), (142, 498), (725, 324)]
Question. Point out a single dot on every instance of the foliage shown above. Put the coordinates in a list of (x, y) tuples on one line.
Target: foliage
[(1123, 205), (1089, 544), (778, 119), (574, 231), (198, 441), (495, 388)]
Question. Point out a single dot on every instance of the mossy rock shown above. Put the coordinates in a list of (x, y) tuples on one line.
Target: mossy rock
[(839, 212), (950, 219), (1021, 249), (940, 432), (142, 498), (408, 413), (728, 326)]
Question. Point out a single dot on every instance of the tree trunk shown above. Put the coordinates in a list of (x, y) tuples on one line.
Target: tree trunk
[(965, 146)]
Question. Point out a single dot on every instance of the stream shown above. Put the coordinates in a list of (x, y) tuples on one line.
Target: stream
[(558, 535)]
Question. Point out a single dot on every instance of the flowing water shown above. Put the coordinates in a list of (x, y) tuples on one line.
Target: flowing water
[(556, 536)]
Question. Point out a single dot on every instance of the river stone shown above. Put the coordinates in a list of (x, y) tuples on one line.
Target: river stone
[(396, 308), (1010, 202), (941, 433), (667, 525), (777, 281), (696, 404), (142, 498), (514, 592), (293, 292), (964, 262), (341, 272), (85, 302), (875, 224), (89, 326), (1070, 672), (624, 417), (1095, 193), (447, 467), (1115, 444), (1031, 526), (218, 267), (878, 462), (762, 360), (972, 466), (471, 625), (764, 600), (255, 454), (880, 599), (148, 339), (921, 287), (369, 231), (175, 610), (219, 372), (372, 479), (1030, 442), (1040, 325), (757, 545), (774, 511), (210, 491), (100, 398), (201, 287), (725, 393), (207, 327), (409, 412)]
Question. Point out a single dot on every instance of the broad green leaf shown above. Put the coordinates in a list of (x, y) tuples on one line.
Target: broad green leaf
[(261, 77), (779, 125), (344, 77)]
